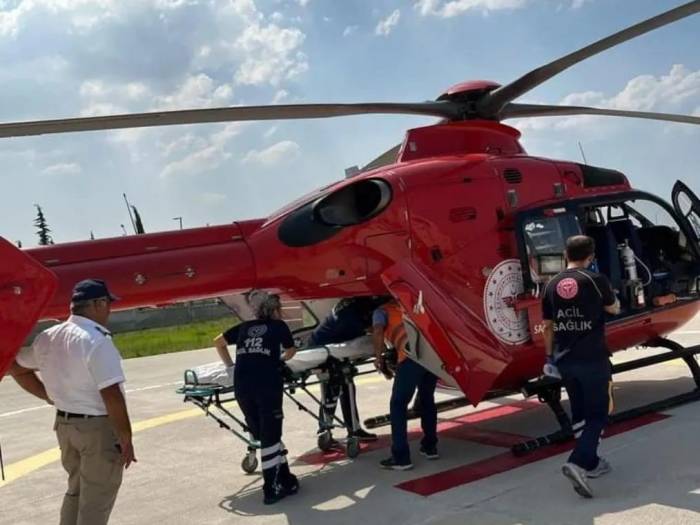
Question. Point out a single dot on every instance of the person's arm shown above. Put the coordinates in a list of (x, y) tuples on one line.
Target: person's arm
[(548, 336), (289, 353), (378, 341), (119, 418), (222, 350), (548, 331), (27, 379), (290, 349), (611, 304)]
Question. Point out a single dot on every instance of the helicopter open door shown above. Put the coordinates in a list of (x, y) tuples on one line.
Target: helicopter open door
[(467, 351), (687, 206)]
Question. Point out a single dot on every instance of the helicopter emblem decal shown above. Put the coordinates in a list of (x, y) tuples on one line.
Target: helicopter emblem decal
[(504, 284)]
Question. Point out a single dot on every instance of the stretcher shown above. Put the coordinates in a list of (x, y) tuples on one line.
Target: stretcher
[(326, 368)]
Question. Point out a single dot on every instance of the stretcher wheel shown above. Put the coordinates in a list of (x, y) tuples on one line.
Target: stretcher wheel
[(352, 448), (249, 463), (325, 441)]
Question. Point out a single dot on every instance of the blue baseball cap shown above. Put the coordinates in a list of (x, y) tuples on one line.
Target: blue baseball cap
[(90, 289)]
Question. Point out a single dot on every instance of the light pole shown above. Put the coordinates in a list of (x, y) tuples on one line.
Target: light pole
[(178, 219)]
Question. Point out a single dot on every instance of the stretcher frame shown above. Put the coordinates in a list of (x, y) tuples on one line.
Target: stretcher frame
[(214, 399)]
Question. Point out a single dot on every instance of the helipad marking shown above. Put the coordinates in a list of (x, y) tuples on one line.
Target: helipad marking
[(455, 477), (21, 468)]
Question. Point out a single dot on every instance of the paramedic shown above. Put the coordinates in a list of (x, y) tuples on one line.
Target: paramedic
[(350, 318), (573, 307), (387, 326), (82, 376), (258, 386)]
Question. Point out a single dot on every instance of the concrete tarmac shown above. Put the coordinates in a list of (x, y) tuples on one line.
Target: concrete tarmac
[(189, 468)]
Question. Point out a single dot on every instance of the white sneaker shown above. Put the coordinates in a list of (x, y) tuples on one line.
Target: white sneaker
[(577, 476), (602, 468)]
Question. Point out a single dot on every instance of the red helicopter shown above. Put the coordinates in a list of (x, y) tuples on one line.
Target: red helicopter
[(458, 223)]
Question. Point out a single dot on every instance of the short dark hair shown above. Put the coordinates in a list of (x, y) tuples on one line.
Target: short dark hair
[(579, 248)]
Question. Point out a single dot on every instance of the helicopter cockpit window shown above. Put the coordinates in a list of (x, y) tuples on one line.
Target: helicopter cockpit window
[(545, 244)]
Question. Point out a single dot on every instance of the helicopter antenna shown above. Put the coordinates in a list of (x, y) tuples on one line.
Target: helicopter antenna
[(128, 208), (580, 147)]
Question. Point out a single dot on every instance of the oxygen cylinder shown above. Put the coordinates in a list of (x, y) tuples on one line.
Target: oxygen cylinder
[(628, 261), (630, 264)]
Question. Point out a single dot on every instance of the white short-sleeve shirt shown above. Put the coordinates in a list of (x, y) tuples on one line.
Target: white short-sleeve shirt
[(76, 360)]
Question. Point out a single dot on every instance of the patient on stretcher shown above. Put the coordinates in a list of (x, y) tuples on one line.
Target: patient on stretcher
[(221, 374)]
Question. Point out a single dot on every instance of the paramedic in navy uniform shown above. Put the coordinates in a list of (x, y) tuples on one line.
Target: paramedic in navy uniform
[(258, 385), (573, 307)]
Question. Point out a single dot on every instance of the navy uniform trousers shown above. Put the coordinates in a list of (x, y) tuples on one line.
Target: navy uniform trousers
[(262, 409), (588, 387), (410, 376)]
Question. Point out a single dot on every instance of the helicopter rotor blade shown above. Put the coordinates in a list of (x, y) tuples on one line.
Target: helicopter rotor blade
[(444, 109), (492, 103), (536, 110)]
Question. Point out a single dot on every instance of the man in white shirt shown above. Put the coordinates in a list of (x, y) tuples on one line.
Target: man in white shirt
[(81, 374)]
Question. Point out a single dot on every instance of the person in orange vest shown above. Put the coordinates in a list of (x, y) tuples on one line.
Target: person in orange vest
[(388, 328)]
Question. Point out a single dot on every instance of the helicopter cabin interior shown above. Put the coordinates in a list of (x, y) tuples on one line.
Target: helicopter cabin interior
[(647, 248)]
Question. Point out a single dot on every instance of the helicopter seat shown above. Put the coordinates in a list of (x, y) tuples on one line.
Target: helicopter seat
[(606, 253)]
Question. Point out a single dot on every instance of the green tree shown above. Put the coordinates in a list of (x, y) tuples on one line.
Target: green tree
[(43, 230)]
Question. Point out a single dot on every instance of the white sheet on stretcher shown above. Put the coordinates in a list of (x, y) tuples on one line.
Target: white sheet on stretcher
[(354, 350), (308, 359)]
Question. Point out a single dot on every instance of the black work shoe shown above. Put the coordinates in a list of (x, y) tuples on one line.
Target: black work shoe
[(291, 485), (363, 435), (429, 453), (391, 464), (274, 494)]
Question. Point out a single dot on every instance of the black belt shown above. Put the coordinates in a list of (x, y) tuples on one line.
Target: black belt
[(69, 415)]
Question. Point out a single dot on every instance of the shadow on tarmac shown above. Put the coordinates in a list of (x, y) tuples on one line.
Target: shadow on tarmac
[(658, 468)]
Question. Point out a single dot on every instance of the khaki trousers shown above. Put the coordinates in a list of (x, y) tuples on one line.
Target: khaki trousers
[(90, 456)]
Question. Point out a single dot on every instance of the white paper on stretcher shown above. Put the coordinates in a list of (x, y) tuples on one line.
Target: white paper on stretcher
[(212, 374), (354, 350)]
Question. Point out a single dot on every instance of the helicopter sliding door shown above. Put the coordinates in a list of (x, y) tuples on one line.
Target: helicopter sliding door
[(687, 206), (469, 355)]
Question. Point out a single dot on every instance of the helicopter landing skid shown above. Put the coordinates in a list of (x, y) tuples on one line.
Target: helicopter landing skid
[(549, 391)]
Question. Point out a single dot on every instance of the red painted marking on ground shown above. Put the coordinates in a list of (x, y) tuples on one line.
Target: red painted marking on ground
[(456, 428), (441, 481)]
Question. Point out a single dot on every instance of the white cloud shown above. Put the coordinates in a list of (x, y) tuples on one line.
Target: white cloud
[(272, 54), (303, 3), (280, 96), (676, 92), (195, 92), (452, 8), (271, 131), (384, 27), (282, 151), (350, 30), (63, 169), (577, 4), (208, 153)]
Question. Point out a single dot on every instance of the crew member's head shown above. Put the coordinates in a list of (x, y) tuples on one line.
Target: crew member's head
[(92, 299), (580, 249), (266, 305)]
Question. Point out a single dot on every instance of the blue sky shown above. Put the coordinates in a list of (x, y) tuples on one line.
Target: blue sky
[(65, 58)]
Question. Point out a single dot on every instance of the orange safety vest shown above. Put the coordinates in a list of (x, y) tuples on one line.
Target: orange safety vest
[(395, 331)]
